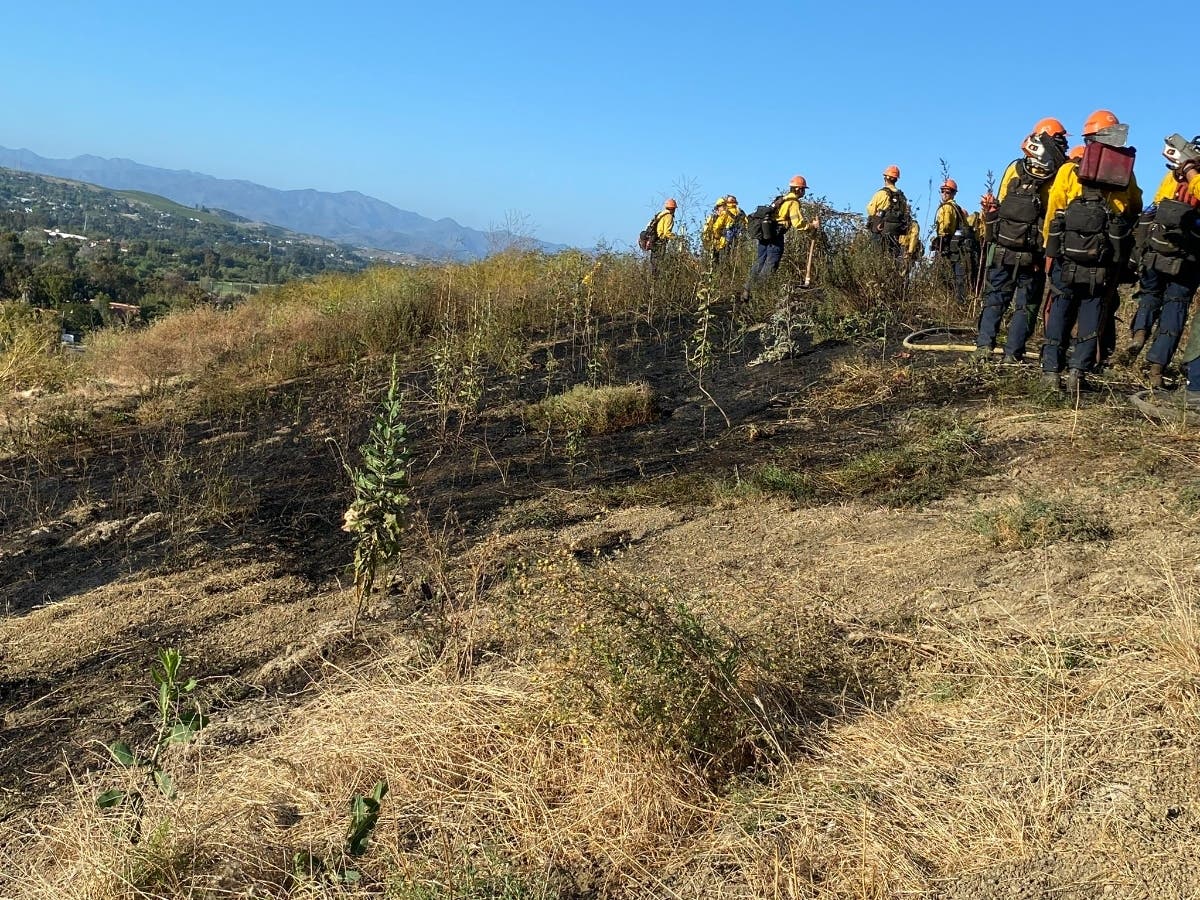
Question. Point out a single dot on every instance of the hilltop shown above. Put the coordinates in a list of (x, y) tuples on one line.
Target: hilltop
[(860, 623)]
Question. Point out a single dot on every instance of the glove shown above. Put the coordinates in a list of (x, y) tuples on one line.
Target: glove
[(988, 202)]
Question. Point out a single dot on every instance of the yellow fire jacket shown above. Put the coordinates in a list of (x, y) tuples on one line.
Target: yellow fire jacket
[(880, 201), (713, 235), (790, 216), (949, 218), (1169, 185), (666, 223), (1126, 202)]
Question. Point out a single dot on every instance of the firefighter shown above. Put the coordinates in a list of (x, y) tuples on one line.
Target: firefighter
[(712, 237), (1170, 267), (954, 241), (732, 226), (888, 216), (664, 233), (786, 216), (1015, 220), (1087, 231)]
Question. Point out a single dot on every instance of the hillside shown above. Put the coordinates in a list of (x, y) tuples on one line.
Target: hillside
[(73, 247), (862, 622), (347, 217)]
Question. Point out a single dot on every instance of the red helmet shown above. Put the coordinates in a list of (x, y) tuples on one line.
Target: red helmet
[(892, 172), (670, 204), (798, 182), (950, 185)]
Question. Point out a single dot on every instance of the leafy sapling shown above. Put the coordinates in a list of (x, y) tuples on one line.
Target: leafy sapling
[(381, 494), (180, 717)]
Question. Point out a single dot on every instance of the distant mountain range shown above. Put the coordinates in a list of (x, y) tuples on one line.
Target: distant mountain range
[(348, 217)]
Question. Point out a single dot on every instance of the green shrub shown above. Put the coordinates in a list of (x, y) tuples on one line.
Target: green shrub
[(1035, 521), (936, 454)]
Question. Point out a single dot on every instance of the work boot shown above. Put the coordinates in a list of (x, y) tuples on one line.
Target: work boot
[(982, 356), (1075, 382), (1009, 360), (1136, 343), (1050, 381), (1154, 376)]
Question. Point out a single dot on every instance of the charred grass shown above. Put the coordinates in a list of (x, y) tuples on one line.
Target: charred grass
[(628, 653)]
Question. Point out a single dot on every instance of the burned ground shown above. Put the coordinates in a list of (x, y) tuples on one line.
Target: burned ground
[(841, 504)]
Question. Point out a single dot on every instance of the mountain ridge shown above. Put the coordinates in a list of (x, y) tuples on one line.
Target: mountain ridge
[(348, 217)]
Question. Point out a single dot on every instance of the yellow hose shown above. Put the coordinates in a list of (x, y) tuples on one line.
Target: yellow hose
[(911, 344)]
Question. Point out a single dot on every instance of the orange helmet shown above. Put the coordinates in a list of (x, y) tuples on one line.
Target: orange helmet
[(798, 182), (892, 172), (670, 204), (950, 185), (1098, 121), (1076, 153), (1050, 126)]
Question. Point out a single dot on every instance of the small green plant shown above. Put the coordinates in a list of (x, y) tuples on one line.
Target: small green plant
[(1035, 521), (180, 717), (364, 816), (665, 677), (378, 515), (699, 351), (773, 479), (936, 454)]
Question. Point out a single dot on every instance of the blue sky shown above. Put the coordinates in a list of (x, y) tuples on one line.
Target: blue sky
[(578, 119)]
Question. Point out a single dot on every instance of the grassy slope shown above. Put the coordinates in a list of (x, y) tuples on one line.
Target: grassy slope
[(162, 204), (869, 692)]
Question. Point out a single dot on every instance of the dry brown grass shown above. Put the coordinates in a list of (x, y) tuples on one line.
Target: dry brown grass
[(1008, 748), (595, 410)]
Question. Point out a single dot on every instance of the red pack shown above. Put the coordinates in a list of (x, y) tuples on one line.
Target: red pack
[(1105, 166)]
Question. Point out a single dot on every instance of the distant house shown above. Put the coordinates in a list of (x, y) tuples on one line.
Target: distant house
[(122, 313), (55, 233)]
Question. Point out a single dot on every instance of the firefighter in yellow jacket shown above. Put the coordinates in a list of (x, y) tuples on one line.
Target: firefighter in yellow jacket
[(1015, 220), (954, 241), (664, 233), (1170, 261), (712, 237), (888, 216), (1087, 233), (732, 226), (787, 217)]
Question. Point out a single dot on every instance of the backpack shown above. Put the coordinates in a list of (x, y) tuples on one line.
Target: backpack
[(1085, 239), (1174, 230), (1019, 218), (648, 236), (762, 224), (895, 220)]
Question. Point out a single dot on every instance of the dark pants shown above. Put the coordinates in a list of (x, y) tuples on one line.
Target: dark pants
[(1022, 286), (769, 256), (889, 244), (657, 252), (958, 269), (1164, 299), (1078, 305)]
